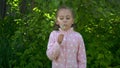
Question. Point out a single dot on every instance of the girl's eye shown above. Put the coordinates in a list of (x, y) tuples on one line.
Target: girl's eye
[(67, 18), (61, 18)]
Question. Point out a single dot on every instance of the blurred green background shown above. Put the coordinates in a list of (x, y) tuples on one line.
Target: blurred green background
[(25, 26)]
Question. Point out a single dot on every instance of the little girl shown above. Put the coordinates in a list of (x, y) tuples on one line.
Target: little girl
[(66, 47)]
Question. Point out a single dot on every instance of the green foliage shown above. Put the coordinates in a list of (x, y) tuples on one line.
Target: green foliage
[(29, 43), (5, 34), (24, 37)]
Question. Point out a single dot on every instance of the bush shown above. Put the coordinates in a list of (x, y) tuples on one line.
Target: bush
[(24, 37)]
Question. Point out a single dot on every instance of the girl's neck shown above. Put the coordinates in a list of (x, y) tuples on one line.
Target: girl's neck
[(67, 30)]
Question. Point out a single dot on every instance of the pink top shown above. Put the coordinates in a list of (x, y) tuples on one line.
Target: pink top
[(70, 53)]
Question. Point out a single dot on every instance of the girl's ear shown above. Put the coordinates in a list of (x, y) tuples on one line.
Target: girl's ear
[(73, 21), (57, 22)]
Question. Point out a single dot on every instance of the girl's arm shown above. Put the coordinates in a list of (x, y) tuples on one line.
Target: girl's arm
[(53, 48), (81, 53)]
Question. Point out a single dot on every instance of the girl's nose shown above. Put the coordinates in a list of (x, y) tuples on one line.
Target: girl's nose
[(64, 20)]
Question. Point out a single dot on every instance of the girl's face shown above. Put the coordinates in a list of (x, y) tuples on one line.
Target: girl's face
[(64, 19)]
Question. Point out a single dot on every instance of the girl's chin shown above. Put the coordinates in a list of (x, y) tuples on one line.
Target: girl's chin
[(66, 29)]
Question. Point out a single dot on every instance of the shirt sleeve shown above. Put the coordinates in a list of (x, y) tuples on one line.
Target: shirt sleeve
[(81, 53), (53, 48)]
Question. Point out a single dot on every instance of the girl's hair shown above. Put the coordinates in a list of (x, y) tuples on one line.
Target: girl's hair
[(56, 27)]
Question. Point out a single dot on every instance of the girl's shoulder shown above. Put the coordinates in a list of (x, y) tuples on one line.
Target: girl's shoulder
[(54, 32), (77, 34)]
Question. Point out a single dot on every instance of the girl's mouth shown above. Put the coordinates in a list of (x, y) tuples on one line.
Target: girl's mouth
[(63, 26)]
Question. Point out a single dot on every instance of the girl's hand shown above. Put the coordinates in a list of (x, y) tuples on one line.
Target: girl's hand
[(60, 38)]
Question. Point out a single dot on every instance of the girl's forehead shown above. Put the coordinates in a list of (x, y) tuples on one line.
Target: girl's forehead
[(64, 12)]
